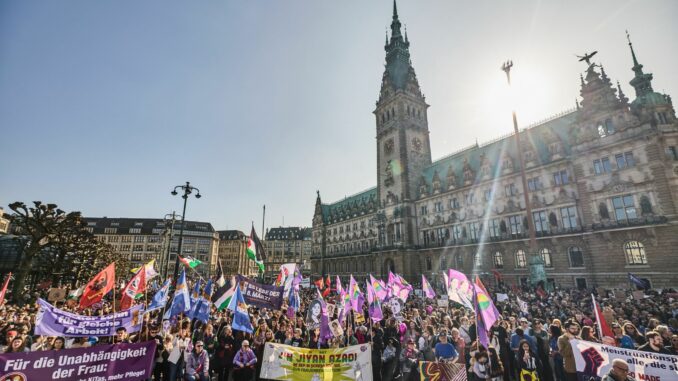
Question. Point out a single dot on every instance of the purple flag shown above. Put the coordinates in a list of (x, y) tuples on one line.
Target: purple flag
[(52, 321), (374, 306), (339, 287), (480, 322), (378, 287), (325, 332), (428, 290), (356, 297)]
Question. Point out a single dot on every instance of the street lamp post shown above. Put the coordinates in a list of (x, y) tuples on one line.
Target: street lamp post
[(170, 219), (537, 272), (187, 190)]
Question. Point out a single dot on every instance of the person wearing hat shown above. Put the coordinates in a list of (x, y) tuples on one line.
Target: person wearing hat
[(197, 364), (445, 351), (409, 358), (244, 363)]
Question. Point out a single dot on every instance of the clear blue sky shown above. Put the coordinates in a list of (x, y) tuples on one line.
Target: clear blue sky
[(106, 105)]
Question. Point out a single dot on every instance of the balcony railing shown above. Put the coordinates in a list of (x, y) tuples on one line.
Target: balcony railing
[(645, 220)]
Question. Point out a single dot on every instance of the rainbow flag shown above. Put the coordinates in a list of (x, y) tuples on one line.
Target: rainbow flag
[(379, 289), (356, 297)]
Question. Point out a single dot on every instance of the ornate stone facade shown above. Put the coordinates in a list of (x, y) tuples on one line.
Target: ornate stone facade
[(602, 178)]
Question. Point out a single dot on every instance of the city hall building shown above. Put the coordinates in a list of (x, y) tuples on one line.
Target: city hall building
[(602, 184)]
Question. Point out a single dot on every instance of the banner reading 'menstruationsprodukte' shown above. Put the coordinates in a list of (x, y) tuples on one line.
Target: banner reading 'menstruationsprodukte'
[(595, 360), (284, 362)]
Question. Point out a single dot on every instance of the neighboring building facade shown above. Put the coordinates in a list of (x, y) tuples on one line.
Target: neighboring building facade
[(287, 245), (143, 239), (233, 254), (602, 180), (4, 222)]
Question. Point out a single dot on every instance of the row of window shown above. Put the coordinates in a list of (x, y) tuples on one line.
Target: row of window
[(559, 178), (347, 228), (498, 227), (634, 253), (623, 160)]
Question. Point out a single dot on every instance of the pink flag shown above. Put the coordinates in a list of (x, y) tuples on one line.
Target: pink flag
[(339, 288), (428, 290)]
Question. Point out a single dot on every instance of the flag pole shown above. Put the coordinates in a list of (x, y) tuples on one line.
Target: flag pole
[(115, 285)]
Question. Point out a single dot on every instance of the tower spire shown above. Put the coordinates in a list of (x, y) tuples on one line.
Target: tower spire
[(633, 54), (641, 82), (395, 24)]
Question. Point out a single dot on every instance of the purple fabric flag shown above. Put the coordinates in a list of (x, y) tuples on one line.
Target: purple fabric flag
[(374, 304), (325, 332), (428, 290), (378, 287), (345, 303), (405, 290), (292, 302), (484, 305), (357, 298), (481, 325)]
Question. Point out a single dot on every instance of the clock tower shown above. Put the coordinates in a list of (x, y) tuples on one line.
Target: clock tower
[(403, 147)]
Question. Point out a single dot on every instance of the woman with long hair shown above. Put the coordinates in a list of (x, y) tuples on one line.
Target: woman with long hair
[(556, 357), (496, 366), (631, 331), (529, 365), (17, 345), (587, 334), (59, 344)]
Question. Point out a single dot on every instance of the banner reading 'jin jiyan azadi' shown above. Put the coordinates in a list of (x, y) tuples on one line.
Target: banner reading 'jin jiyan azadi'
[(595, 360), (284, 362)]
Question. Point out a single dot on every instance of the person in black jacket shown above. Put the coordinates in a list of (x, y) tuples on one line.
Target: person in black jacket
[(529, 364), (377, 348)]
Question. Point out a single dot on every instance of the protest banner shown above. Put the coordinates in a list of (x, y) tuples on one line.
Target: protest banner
[(595, 360), (441, 371), (502, 297), (51, 321), (261, 295), (284, 362), (305, 283), (120, 362)]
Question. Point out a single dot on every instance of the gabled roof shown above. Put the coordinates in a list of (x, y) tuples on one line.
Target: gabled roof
[(355, 205), (494, 150)]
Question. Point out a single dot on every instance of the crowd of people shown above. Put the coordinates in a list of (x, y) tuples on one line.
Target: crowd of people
[(531, 340)]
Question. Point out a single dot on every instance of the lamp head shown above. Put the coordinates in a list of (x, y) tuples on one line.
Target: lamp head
[(174, 192), (198, 195)]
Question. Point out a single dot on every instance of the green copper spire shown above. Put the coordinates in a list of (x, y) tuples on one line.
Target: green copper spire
[(641, 82), (397, 54)]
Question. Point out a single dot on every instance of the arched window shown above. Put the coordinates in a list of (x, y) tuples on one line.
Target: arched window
[(477, 260), (576, 256), (521, 259), (498, 260), (635, 253), (546, 257)]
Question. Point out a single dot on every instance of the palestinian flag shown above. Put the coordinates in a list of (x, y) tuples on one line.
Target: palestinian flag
[(222, 297), (189, 262), (255, 250)]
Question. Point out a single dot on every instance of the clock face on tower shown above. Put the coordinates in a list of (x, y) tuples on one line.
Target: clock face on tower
[(416, 143), (388, 146)]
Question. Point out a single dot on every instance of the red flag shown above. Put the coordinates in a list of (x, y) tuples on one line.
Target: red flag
[(4, 288), (99, 286), (497, 275), (319, 283), (603, 328), (541, 292), (135, 286), (328, 281)]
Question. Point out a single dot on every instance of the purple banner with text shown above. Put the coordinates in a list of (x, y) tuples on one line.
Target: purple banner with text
[(120, 362), (52, 321)]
